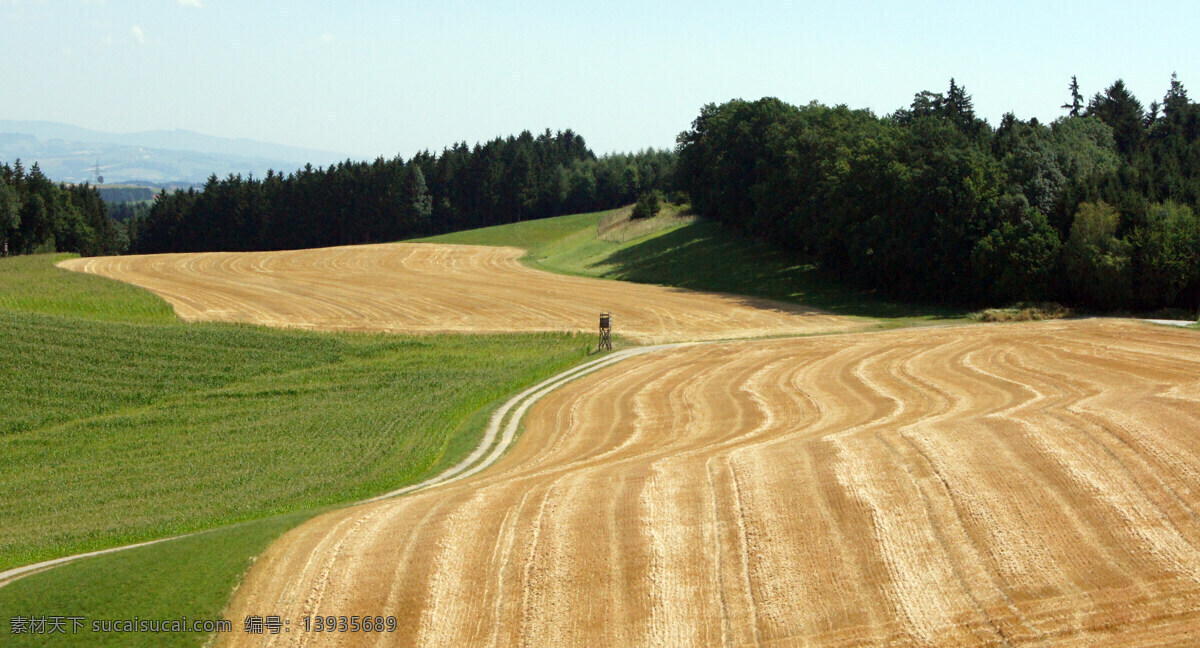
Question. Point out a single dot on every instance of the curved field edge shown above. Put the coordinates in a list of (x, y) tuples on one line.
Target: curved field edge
[(114, 433), (31, 284), (212, 573), (188, 577), (687, 253), (239, 422), (428, 288)]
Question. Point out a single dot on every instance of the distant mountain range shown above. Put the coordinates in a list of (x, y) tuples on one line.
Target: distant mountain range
[(68, 153)]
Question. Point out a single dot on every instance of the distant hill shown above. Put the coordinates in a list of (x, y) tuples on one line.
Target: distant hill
[(69, 154)]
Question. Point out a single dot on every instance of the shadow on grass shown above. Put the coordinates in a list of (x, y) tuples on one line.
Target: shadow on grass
[(706, 256)]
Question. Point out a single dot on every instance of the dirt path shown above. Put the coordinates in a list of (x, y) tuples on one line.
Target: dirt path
[(429, 288), (1031, 484), (15, 574)]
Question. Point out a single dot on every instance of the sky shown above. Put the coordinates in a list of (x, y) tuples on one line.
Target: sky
[(371, 79)]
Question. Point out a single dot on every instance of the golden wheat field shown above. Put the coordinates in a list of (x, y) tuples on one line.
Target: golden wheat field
[(1000, 485), (433, 288)]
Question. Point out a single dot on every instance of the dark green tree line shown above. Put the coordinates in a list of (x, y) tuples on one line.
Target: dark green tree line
[(37, 215), (501, 181), (931, 202)]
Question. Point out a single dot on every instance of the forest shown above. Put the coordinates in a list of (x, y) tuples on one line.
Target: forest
[(37, 215), (502, 181), (1097, 209)]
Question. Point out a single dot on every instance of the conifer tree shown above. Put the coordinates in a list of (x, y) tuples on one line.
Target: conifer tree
[(1076, 104), (422, 202), (10, 216), (1118, 108), (1176, 100)]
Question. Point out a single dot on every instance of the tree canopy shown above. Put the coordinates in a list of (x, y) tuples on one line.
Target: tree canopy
[(500, 181), (1097, 208), (37, 215)]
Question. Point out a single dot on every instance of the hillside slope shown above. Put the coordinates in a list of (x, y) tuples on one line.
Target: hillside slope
[(438, 288), (678, 250)]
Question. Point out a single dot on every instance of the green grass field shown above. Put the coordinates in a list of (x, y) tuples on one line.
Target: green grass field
[(189, 577), (30, 284), (701, 256), (122, 424), (118, 433)]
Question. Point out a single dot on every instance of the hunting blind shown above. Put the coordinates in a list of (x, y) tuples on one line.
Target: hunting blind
[(605, 331)]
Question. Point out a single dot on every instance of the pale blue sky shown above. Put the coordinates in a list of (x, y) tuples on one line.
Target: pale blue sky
[(380, 78)]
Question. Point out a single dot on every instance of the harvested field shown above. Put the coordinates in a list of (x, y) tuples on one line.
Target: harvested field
[(1027, 484), (432, 288)]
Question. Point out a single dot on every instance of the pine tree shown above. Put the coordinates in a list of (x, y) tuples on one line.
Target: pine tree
[(1176, 100), (1118, 108), (958, 102), (422, 202), (1076, 104), (1152, 114), (10, 216), (959, 108)]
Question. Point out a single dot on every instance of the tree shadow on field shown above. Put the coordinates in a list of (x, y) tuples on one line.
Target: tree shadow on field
[(709, 257)]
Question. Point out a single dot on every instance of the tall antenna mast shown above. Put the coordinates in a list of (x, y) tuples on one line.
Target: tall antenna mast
[(96, 174)]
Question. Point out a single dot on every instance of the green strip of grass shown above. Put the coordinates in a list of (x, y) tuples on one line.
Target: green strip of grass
[(699, 256), (119, 433), (189, 577), (61, 369), (31, 284), (530, 235)]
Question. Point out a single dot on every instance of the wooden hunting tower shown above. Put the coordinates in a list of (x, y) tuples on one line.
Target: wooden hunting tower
[(605, 331)]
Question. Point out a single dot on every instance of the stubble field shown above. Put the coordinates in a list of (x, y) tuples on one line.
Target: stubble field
[(438, 288), (1031, 484)]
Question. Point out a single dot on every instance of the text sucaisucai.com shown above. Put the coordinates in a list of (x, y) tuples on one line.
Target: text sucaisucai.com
[(49, 625)]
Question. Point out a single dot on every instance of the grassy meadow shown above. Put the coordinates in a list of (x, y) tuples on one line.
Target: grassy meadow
[(687, 253), (118, 433), (190, 577), (122, 424), (30, 284)]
